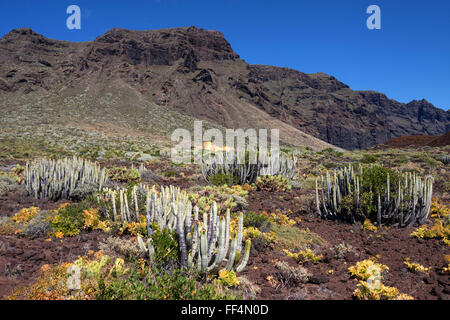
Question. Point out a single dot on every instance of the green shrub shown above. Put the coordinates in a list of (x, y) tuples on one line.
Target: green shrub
[(105, 278), (272, 183), (165, 243), (252, 219), (220, 179), (124, 175), (83, 191), (368, 158), (7, 184), (374, 179), (169, 174), (68, 221)]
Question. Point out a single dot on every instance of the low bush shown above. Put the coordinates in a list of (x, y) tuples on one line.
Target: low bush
[(291, 275), (124, 175), (293, 238), (7, 184), (253, 219), (220, 179), (276, 183), (126, 248)]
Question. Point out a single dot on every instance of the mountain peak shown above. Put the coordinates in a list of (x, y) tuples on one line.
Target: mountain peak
[(165, 46), (21, 33)]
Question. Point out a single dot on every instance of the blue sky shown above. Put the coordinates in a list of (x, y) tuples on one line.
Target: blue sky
[(409, 58)]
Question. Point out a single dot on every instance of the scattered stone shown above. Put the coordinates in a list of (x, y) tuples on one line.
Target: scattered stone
[(318, 279)]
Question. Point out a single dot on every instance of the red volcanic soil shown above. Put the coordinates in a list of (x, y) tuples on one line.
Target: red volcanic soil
[(417, 141), (441, 141)]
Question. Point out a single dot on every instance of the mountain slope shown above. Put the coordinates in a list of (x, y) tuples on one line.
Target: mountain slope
[(158, 80)]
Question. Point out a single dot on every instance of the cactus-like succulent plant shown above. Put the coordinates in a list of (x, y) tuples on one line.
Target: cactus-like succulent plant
[(205, 245), (56, 179), (351, 195), (446, 159), (246, 171), (204, 241)]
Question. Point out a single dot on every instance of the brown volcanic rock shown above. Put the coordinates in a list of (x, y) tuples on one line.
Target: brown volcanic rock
[(412, 141), (161, 47), (441, 141), (408, 141), (195, 72)]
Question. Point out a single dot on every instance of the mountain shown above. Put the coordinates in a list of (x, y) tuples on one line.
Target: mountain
[(143, 83)]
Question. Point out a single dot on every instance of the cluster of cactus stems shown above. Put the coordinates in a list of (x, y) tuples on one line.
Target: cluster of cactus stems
[(128, 205), (446, 159), (56, 179), (236, 164), (204, 243), (405, 204)]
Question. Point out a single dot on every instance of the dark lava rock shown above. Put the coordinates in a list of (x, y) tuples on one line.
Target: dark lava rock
[(318, 279)]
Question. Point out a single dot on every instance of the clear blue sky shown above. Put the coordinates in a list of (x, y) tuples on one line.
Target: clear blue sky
[(409, 58)]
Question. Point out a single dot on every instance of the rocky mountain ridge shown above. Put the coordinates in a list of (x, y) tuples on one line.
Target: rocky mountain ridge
[(195, 72)]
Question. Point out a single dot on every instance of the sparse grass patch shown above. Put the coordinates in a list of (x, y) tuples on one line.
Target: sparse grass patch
[(293, 238)]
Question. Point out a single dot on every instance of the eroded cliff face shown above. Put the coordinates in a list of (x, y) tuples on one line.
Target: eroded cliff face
[(195, 72)]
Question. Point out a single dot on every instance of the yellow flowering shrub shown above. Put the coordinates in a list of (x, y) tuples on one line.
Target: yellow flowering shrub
[(69, 219), (370, 286), (226, 197), (25, 215), (363, 270), (269, 237), (413, 266), (91, 220), (309, 255), (251, 233), (135, 228), (441, 227), (447, 268), (366, 291), (51, 285), (290, 254), (279, 218), (100, 277), (228, 278), (368, 226)]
